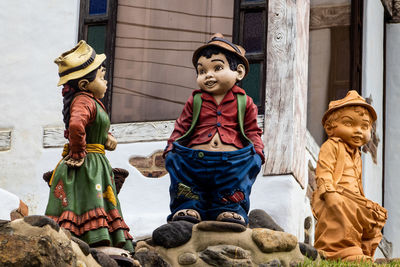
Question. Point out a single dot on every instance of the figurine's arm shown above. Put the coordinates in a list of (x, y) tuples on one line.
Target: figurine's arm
[(111, 142), (83, 112), (326, 167), (251, 129), (182, 124)]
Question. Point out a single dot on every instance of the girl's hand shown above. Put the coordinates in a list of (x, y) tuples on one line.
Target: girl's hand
[(111, 143), (74, 163)]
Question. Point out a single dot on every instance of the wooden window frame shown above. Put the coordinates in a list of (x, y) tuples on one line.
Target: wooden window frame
[(110, 20), (240, 7)]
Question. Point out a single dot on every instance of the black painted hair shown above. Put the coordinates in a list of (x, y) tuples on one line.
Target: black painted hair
[(69, 96), (208, 51)]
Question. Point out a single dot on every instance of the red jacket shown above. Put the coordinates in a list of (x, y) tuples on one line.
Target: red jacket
[(222, 118)]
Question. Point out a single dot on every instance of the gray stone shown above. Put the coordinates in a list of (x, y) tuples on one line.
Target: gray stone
[(226, 256), (172, 234), (307, 222), (187, 258), (82, 245), (216, 226), (40, 221), (260, 219), (102, 258), (148, 258), (308, 251)]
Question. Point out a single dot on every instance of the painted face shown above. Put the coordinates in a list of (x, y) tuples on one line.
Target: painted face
[(353, 128), (214, 74), (99, 85)]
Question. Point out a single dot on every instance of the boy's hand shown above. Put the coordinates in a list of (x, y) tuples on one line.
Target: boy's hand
[(111, 143), (74, 163)]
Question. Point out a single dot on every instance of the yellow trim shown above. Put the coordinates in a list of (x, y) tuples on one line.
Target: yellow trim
[(90, 148)]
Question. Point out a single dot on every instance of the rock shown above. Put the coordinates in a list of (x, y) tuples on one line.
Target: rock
[(215, 226), (307, 222), (40, 221), (102, 258), (260, 219), (272, 241), (173, 234), (308, 251), (273, 263), (28, 242), (226, 256), (212, 245), (82, 245), (149, 258), (187, 258)]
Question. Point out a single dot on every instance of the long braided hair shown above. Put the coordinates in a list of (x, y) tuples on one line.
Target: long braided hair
[(68, 92)]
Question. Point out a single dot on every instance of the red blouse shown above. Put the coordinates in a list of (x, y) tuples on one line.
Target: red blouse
[(220, 118)]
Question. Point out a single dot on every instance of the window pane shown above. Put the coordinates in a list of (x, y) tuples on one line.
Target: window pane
[(253, 32), (252, 83), (153, 71), (98, 7), (97, 37)]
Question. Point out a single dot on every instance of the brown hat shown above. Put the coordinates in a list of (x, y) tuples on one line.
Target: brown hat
[(351, 99), (219, 41), (77, 62)]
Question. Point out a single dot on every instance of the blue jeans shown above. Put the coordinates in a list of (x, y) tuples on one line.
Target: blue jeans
[(211, 182)]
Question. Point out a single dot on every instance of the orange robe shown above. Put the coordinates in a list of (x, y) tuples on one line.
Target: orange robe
[(350, 228)]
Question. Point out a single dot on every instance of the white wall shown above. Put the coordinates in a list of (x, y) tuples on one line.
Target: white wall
[(32, 37), (372, 86), (392, 137)]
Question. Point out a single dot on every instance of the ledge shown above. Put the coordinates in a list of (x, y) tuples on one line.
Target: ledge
[(125, 132)]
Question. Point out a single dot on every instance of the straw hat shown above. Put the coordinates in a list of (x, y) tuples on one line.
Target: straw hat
[(219, 41), (77, 62), (351, 99)]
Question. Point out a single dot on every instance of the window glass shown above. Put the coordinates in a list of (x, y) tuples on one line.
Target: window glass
[(97, 37), (251, 83), (97, 7), (253, 32)]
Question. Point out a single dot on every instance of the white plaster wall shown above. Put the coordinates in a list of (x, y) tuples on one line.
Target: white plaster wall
[(33, 34), (145, 201), (392, 137), (372, 86)]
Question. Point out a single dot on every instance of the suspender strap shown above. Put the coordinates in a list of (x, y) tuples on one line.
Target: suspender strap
[(241, 102), (197, 102), (337, 173)]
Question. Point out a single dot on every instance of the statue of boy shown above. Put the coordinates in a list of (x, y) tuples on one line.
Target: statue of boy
[(349, 225), (215, 151)]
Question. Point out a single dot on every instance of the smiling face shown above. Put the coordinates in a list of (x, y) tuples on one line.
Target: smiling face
[(215, 76), (99, 85), (353, 126)]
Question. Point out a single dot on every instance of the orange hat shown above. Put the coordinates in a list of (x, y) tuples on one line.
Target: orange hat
[(77, 62), (351, 99), (219, 41)]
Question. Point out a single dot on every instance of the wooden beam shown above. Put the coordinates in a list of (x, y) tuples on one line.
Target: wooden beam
[(286, 88), (329, 16)]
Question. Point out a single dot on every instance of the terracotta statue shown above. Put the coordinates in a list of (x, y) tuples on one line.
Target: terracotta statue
[(215, 151), (348, 224), (83, 196)]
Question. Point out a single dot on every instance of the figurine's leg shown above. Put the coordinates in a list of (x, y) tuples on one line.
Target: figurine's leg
[(338, 231), (185, 192), (375, 218), (233, 179)]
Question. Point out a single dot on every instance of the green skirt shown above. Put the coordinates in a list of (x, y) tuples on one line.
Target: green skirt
[(84, 201)]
